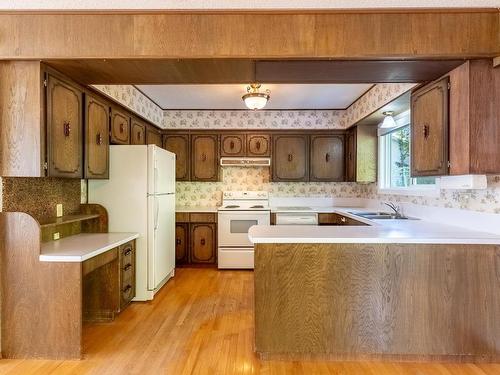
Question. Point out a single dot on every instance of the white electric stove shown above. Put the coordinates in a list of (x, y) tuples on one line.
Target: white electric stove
[(239, 211)]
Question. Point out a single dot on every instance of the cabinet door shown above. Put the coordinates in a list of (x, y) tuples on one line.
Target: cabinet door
[(64, 129), (290, 158), (179, 145), (327, 158), (96, 138), (233, 145), (120, 127), (205, 158), (351, 155), (137, 132), (181, 244), (258, 145), (429, 130), (153, 136), (203, 244)]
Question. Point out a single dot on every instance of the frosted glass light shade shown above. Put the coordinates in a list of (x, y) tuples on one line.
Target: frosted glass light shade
[(388, 122), (255, 100)]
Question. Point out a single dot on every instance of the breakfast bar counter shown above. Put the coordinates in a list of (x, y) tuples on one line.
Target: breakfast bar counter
[(406, 290)]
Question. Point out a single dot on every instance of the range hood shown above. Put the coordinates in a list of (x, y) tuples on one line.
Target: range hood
[(245, 162)]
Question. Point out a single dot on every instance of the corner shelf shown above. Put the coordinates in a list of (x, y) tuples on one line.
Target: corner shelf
[(53, 221)]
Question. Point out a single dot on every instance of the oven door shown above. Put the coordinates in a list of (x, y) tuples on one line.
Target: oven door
[(233, 226)]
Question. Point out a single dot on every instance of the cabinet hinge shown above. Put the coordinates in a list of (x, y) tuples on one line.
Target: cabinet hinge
[(449, 85), (45, 82), (449, 165), (45, 165)]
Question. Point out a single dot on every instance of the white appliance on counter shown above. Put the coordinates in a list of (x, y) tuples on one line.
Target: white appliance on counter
[(297, 218), (239, 211), (140, 197)]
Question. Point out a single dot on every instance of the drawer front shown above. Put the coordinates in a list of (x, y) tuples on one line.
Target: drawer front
[(127, 254), (203, 218), (128, 274), (182, 217), (127, 293)]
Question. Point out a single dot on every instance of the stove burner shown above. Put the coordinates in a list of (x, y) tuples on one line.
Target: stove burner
[(232, 206), (257, 206)]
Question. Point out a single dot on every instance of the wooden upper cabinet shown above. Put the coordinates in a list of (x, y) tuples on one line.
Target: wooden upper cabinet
[(96, 138), (290, 157), (120, 127), (179, 145), (137, 132), (258, 145), (64, 128), (153, 136), (204, 157), (350, 155), (361, 153), (327, 158), (233, 145), (203, 243), (429, 130)]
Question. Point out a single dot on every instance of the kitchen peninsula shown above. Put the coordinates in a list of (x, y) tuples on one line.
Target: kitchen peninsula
[(397, 289)]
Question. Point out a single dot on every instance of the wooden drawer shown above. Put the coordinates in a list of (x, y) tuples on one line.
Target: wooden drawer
[(127, 254), (127, 273), (127, 293), (203, 218), (182, 217), (336, 219), (98, 261)]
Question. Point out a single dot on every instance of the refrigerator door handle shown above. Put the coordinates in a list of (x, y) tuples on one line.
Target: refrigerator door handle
[(157, 212), (155, 187)]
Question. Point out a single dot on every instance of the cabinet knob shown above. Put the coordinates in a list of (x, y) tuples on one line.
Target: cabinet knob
[(342, 219), (203, 241), (231, 145), (128, 252), (67, 128), (127, 267), (257, 145), (327, 157), (99, 139), (290, 157), (178, 241), (127, 288), (426, 131), (203, 157)]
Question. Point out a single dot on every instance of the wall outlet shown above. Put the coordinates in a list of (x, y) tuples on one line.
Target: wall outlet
[(59, 210), (56, 236)]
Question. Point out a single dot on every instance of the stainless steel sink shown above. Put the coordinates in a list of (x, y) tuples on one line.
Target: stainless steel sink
[(380, 216)]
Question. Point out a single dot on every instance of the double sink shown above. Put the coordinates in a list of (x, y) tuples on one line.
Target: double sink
[(371, 215)]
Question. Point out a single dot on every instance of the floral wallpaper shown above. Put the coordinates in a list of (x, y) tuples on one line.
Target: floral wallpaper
[(378, 96), (191, 194), (202, 119), (133, 99)]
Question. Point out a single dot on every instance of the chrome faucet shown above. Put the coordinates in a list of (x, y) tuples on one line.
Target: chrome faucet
[(395, 208)]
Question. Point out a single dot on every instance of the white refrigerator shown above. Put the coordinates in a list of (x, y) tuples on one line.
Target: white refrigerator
[(140, 197)]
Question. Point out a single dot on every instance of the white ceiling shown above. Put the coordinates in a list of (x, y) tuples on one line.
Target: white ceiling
[(228, 96), (242, 4)]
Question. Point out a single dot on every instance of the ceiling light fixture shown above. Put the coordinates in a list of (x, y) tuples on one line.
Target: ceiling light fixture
[(254, 99), (389, 121)]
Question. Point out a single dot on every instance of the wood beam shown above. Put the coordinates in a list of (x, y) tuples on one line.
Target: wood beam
[(338, 35)]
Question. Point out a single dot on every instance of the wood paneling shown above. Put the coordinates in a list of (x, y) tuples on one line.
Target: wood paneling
[(96, 138), (233, 145), (64, 128), (258, 145), (179, 144), (327, 158), (429, 130), (22, 135), (41, 316), (267, 34), (120, 126), (351, 300), (204, 157), (290, 160), (137, 132)]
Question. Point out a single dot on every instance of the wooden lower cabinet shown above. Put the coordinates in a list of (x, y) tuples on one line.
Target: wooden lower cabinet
[(195, 239), (127, 274), (337, 219)]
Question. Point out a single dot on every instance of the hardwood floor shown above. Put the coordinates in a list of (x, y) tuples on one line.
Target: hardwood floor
[(202, 323)]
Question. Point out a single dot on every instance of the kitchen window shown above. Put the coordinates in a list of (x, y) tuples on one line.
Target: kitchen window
[(394, 162)]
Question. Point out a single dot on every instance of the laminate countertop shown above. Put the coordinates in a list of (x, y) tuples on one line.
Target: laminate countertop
[(83, 246), (378, 231), (211, 209)]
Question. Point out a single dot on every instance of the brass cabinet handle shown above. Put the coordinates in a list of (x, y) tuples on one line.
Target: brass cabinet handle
[(202, 241), (67, 128), (327, 157), (342, 219), (127, 252), (290, 157), (203, 157), (257, 145), (231, 145), (426, 131), (178, 241), (99, 139), (127, 267), (127, 288), (350, 156)]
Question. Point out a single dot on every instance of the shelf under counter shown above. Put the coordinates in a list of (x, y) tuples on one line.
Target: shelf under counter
[(83, 246)]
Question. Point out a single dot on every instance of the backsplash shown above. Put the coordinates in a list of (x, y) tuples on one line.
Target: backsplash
[(192, 194)]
